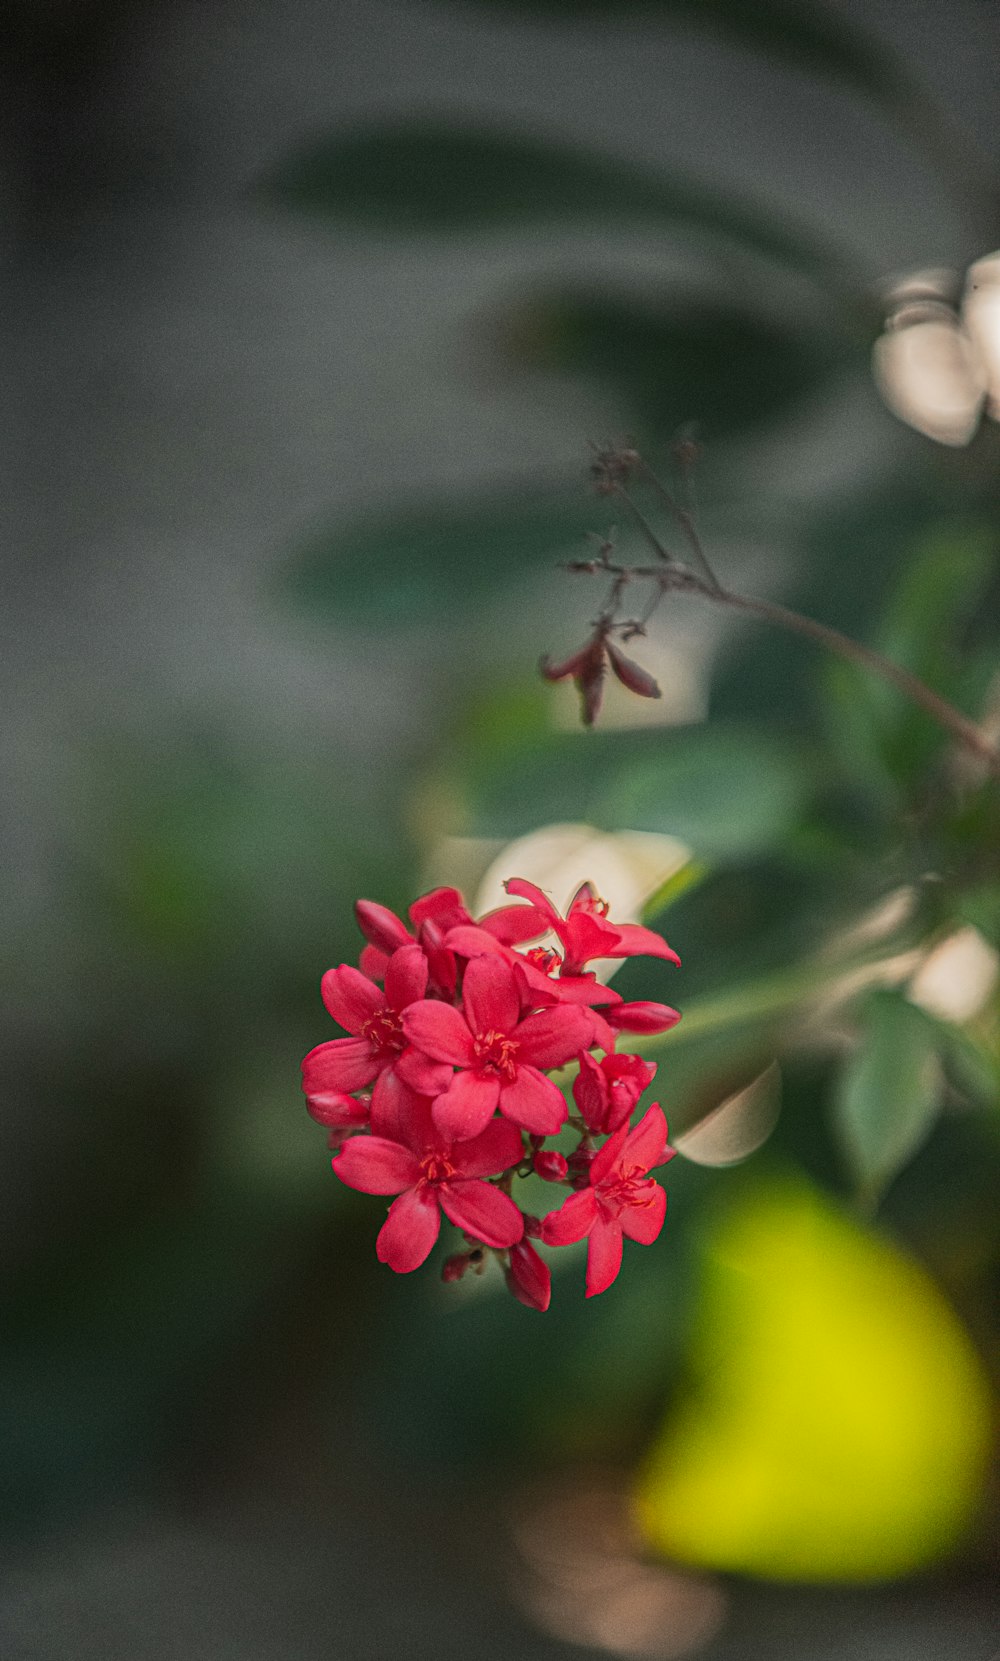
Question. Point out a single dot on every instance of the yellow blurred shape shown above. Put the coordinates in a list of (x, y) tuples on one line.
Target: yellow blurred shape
[(840, 1428)]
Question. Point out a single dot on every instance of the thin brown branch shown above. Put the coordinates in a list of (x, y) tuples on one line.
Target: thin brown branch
[(964, 731)]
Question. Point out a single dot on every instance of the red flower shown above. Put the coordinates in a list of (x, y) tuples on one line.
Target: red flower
[(585, 932), (374, 1018), (500, 1053), (620, 1199), (607, 1091), (432, 916), (431, 1174)]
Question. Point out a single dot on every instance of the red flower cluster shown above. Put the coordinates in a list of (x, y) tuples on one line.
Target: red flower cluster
[(440, 1095)]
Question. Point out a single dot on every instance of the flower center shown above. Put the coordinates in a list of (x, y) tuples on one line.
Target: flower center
[(495, 1053), (628, 1190), (384, 1031), (543, 959), (436, 1167)]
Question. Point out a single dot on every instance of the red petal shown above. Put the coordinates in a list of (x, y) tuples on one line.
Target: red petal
[(528, 1277), (372, 962), (380, 926), (405, 977), (606, 1161), (469, 940), (467, 1105), (493, 1151), (394, 1109), (647, 1143), (427, 1077), (351, 997), (585, 989), (631, 674), (636, 941), (490, 997), (525, 890), (553, 1036), (604, 1255), (339, 1111), (440, 1031), (408, 1234), (376, 1166), (532, 1100), (341, 1064), (483, 1211), (575, 1218), (443, 906), (643, 1219), (575, 665), (591, 1093), (641, 1017), (512, 925)]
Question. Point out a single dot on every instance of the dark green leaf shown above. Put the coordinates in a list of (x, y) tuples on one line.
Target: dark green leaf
[(723, 791), (664, 358), (890, 1091), (448, 175), (433, 560), (808, 35)]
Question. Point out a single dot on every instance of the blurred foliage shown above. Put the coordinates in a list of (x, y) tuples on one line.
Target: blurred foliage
[(181, 1260), (446, 175)]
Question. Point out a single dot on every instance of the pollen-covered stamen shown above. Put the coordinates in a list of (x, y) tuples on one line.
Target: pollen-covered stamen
[(436, 1167), (543, 958), (495, 1052), (384, 1031), (633, 1188)]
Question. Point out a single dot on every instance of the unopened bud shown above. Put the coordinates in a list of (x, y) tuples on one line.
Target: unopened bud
[(550, 1166)]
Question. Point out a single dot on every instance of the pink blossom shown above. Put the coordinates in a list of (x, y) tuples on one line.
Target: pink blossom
[(585, 931), (606, 1091), (620, 1199), (374, 1019), (431, 1174), (500, 1054)]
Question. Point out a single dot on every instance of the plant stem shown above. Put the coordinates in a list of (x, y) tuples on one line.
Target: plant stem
[(964, 731)]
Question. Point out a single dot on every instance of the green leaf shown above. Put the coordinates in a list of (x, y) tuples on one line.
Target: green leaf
[(813, 38), (450, 175), (435, 559), (664, 358), (807, 35), (889, 1093), (723, 791)]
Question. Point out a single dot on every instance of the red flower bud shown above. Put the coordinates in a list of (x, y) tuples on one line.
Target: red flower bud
[(550, 1166), (631, 674), (528, 1277)]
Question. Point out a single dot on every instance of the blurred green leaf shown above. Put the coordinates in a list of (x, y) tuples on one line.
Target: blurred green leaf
[(980, 906), (451, 175), (889, 1093), (809, 35), (819, 40), (926, 628), (725, 791), (433, 560), (665, 357)]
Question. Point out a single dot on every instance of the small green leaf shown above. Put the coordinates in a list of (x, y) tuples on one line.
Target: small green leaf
[(890, 1091)]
